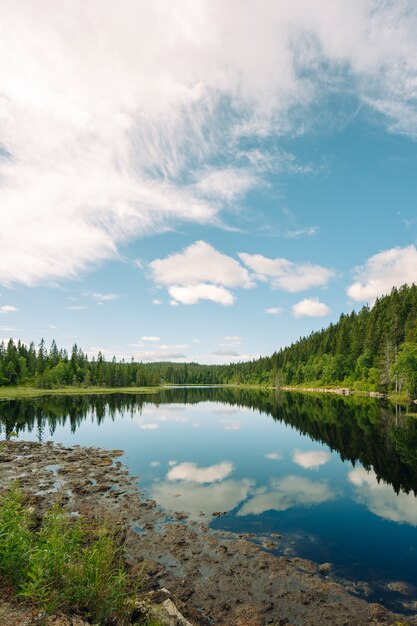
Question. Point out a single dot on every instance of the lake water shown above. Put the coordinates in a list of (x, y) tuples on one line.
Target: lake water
[(335, 476)]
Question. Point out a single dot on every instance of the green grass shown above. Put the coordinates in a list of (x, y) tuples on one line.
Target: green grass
[(7, 393), (63, 564)]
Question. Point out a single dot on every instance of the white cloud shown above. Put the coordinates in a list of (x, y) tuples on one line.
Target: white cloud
[(381, 272), (150, 338), (274, 456), (287, 493), (274, 310), (7, 308), (286, 275), (148, 426), (191, 472), (381, 499), (234, 340), (227, 183), (102, 297), (192, 294), (313, 459), (104, 139), (225, 352), (156, 301), (199, 263), (307, 231), (200, 273), (77, 307), (310, 307), (160, 354), (196, 498)]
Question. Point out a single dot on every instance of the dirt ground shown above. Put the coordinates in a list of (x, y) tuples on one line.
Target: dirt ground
[(213, 577)]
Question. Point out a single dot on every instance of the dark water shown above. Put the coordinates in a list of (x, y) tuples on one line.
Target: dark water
[(335, 476)]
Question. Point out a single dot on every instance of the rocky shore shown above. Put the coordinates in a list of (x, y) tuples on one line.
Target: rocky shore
[(212, 577), (338, 391)]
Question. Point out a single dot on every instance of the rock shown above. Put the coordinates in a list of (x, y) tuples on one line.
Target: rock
[(168, 613), (399, 587), (325, 568)]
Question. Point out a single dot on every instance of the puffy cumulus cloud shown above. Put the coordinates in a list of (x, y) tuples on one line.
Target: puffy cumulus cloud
[(192, 294), (310, 307), (381, 272), (286, 275), (199, 263), (200, 272), (191, 472), (196, 498), (381, 499), (103, 141), (7, 308), (287, 493), (313, 459)]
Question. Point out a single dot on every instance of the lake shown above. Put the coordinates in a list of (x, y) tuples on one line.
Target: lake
[(335, 476)]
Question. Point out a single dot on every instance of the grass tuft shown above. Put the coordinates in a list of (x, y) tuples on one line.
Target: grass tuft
[(61, 565)]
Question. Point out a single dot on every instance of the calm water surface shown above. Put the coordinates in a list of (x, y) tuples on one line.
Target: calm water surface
[(335, 476)]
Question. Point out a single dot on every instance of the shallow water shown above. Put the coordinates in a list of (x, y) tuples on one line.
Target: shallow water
[(334, 476)]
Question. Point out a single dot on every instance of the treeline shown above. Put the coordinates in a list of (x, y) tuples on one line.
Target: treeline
[(22, 364), (373, 349)]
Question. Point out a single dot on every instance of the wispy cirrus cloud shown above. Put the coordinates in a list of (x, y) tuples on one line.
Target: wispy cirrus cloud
[(156, 96)]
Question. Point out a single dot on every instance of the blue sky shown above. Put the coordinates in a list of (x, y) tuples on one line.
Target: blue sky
[(204, 181)]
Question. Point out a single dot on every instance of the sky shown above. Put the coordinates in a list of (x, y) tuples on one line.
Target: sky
[(203, 180)]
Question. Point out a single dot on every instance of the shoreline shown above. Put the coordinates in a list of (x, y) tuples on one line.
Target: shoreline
[(215, 577), (17, 393)]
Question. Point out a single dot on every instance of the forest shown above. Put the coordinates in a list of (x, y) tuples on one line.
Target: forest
[(373, 349)]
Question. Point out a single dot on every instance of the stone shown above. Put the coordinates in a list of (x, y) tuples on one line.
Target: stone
[(325, 568)]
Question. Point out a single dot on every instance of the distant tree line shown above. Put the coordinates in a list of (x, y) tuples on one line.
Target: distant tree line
[(373, 349), (22, 364)]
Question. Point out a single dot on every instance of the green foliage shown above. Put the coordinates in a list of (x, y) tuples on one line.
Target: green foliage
[(364, 350), (60, 565), (15, 537)]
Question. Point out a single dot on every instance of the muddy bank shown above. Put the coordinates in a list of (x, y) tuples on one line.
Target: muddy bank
[(214, 577)]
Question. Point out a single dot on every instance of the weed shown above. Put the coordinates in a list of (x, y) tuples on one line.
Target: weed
[(61, 565)]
